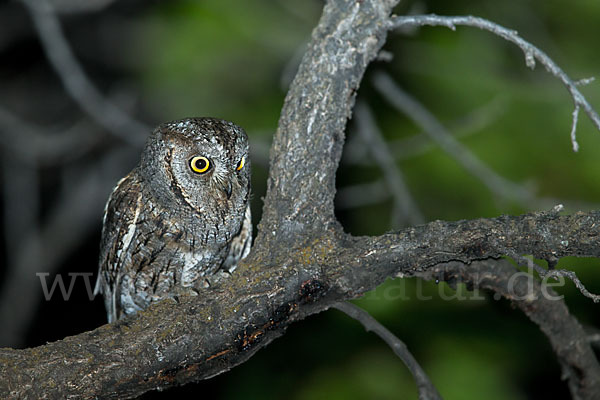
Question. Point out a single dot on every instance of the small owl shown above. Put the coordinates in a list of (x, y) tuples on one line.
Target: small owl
[(177, 218)]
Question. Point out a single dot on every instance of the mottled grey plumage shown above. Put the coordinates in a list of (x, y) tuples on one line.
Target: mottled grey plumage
[(168, 226)]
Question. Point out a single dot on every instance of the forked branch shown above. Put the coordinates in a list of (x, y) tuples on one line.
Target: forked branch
[(74, 79)]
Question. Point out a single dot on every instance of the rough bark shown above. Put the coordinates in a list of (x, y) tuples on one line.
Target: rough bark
[(199, 337), (301, 262)]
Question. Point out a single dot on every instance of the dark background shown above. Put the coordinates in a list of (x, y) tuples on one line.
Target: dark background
[(164, 60)]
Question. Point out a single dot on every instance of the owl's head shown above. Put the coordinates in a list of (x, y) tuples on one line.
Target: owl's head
[(200, 163)]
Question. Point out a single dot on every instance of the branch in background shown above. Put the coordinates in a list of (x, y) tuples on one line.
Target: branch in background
[(405, 210), (532, 54), (372, 193), (37, 147), (426, 389), (76, 83), (567, 337), (498, 185), (420, 143), (355, 153), (77, 6), (465, 126), (77, 212)]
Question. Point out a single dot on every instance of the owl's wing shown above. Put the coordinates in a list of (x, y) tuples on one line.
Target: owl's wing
[(119, 225), (240, 244)]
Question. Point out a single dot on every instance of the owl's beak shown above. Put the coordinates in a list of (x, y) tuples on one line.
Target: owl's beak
[(227, 189)]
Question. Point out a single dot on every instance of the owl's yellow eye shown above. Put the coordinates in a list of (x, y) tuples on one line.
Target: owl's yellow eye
[(241, 164), (199, 164)]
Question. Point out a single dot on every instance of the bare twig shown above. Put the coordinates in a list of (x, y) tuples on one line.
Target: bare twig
[(426, 389), (585, 81), (429, 123), (574, 128), (532, 53), (420, 143), (75, 81), (465, 126), (573, 277), (405, 208), (554, 273)]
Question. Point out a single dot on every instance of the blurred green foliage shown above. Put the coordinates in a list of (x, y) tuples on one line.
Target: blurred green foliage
[(221, 58), (233, 60)]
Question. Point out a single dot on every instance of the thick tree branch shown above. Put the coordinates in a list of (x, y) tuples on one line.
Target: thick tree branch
[(171, 343), (301, 184), (545, 235)]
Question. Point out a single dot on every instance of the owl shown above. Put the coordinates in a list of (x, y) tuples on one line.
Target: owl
[(178, 218)]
